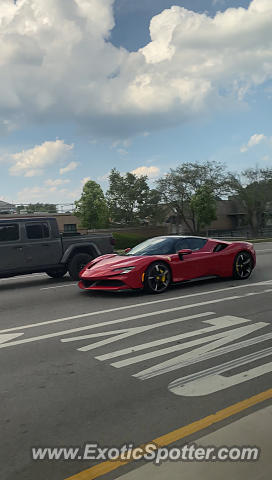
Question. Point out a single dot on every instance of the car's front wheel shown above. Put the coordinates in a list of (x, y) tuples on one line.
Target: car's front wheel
[(243, 266), (157, 277)]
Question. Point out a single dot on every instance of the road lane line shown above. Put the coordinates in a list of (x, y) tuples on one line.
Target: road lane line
[(103, 468), (112, 322), (262, 251), (137, 305), (90, 327), (59, 286), (22, 277)]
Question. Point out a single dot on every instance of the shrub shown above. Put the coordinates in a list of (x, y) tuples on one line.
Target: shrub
[(128, 240)]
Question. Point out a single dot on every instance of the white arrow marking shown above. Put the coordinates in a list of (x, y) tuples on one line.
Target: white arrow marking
[(210, 380), (9, 336)]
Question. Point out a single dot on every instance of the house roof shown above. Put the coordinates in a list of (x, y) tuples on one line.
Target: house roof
[(5, 204)]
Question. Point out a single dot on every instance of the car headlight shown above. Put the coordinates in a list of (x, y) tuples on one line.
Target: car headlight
[(123, 270)]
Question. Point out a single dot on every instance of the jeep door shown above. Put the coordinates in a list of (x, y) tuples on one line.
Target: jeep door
[(42, 249), (11, 248)]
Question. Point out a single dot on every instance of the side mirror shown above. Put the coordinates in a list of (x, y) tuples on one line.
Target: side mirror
[(127, 250), (185, 251)]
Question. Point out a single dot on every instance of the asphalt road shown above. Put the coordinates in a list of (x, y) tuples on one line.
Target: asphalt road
[(75, 370)]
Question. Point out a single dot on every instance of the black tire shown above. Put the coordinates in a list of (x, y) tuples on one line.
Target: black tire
[(242, 266), (77, 263), (56, 273), (157, 277)]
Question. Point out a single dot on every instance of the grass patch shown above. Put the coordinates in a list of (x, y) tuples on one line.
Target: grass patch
[(128, 240)]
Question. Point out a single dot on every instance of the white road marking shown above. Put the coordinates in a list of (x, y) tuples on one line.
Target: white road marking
[(262, 251), (22, 277), (210, 381), (122, 320), (207, 351), (139, 305), (9, 336), (167, 322), (137, 330), (89, 327), (59, 286), (217, 324)]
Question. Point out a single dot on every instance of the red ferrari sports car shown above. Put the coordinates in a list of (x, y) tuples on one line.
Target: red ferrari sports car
[(156, 263)]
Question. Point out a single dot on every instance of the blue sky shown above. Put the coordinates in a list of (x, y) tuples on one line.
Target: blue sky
[(105, 91)]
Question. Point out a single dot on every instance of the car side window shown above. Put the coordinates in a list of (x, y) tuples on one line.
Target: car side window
[(196, 243), (182, 244), (34, 231), (9, 232)]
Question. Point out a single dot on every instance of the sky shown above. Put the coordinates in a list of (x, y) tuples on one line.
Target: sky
[(89, 85)]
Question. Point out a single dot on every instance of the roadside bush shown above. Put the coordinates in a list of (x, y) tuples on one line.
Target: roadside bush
[(128, 240)]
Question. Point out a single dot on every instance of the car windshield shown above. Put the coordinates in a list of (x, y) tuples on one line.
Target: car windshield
[(154, 246)]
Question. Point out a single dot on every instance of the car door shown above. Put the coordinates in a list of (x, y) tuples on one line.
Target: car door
[(41, 249), (11, 249), (193, 265)]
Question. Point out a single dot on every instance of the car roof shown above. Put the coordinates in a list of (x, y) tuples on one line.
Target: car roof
[(182, 236)]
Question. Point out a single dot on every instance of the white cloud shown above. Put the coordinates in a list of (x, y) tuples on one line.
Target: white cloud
[(57, 182), (69, 168), (46, 194), (254, 140), (121, 143), (32, 162), (193, 63), (85, 180), (151, 172), (216, 3), (122, 151)]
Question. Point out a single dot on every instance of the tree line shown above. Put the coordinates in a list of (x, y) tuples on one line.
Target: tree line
[(190, 192)]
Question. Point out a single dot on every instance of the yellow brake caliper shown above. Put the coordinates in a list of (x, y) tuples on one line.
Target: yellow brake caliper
[(163, 277)]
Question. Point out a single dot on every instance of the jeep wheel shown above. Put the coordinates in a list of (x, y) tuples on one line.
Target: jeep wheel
[(77, 263)]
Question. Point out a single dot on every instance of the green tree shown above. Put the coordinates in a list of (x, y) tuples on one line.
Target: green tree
[(179, 187), (127, 196), (253, 189), (92, 207), (154, 210), (203, 203), (38, 207)]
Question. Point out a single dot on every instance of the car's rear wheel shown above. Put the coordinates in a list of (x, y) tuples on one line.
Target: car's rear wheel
[(243, 266), (77, 263), (157, 277), (56, 273)]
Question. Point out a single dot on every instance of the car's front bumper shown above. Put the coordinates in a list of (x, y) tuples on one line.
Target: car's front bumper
[(129, 281)]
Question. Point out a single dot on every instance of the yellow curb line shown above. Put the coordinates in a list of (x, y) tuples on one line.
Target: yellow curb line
[(105, 467)]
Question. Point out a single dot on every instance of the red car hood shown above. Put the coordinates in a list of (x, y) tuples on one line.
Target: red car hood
[(104, 266)]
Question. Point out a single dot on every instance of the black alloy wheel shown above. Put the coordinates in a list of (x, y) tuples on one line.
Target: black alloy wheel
[(157, 277), (243, 266)]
